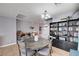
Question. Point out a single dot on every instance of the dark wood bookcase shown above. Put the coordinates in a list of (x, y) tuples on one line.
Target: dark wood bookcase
[(67, 31)]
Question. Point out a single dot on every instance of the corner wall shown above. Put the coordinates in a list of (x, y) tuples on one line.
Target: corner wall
[(7, 31)]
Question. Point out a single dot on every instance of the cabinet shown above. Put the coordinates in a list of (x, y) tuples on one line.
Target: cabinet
[(65, 30)]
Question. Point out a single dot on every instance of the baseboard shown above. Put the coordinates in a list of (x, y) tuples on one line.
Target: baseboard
[(7, 45)]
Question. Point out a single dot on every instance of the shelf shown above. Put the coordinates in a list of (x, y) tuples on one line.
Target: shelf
[(73, 25), (53, 31), (69, 27), (73, 31), (73, 36), (62, 31), (62, 26), (53, 27), (63, 36)]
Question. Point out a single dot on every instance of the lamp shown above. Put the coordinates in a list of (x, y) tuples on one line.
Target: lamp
[(45, 15)]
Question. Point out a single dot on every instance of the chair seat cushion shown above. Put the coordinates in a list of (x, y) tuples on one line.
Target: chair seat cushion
[(44, 51)]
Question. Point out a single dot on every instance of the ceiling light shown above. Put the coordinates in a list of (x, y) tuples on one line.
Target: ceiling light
[(45, 15)]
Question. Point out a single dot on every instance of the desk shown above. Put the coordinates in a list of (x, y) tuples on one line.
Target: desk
[(36, 45)]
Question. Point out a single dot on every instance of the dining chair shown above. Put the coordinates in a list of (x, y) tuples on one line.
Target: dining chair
[(46, 51), (28, 53), (23, 50)]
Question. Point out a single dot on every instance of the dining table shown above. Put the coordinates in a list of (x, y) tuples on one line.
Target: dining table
[(36, 45)]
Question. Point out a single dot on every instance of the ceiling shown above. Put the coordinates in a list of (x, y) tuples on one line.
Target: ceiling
[(31, 12)]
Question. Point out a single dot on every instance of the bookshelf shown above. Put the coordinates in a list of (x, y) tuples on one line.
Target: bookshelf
[(73, 30), (65, 30), (62, 30), (53, 29)]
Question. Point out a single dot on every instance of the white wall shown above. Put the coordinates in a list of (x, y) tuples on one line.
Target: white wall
[(25, 26), (7, 30), (45, 31), (18, 25), (64, 15)]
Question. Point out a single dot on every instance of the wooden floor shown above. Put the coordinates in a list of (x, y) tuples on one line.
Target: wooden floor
[(13, 51), (59, 52)]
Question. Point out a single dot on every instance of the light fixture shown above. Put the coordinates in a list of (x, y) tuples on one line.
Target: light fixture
[(45, 15), (31, 27)]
